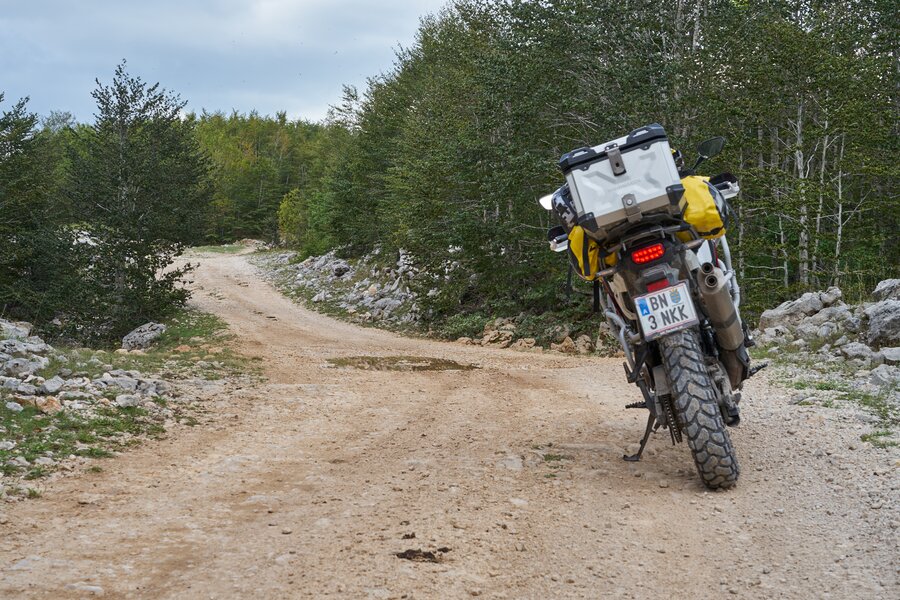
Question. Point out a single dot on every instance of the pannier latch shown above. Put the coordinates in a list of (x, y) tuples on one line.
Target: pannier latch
[(615, 160), (632, 210)]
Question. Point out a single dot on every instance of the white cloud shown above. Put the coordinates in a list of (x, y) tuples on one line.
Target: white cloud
[(218, 54)]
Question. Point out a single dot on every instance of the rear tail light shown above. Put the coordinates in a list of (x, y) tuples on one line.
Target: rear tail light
[(648, 254), (655, 286)]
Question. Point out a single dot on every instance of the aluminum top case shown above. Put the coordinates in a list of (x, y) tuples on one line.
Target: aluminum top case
[(623, 180)]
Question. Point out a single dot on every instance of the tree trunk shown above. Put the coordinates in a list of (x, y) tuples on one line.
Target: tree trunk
[(836, 279), (803, 239), (815, 256)]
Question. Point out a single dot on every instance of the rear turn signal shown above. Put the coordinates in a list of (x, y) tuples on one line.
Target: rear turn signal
[(648, 254)]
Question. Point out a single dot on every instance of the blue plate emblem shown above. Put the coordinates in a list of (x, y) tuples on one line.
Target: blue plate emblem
[(675, 295), (642, 305)]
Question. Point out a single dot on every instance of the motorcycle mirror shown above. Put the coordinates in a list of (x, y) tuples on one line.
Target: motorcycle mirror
[(547, 202), (711, 147), (559, 246)]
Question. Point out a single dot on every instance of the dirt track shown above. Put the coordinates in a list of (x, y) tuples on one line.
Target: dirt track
[(306, 486)]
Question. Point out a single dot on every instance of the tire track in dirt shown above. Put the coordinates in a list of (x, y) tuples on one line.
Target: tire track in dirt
[(306, 485)]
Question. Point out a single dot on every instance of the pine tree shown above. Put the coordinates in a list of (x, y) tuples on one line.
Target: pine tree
[(139, 191)]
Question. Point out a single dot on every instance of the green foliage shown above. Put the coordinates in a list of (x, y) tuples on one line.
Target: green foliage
[(256, 161), (449, 150), (444, 154), (33, 241), (92, 217), (293, 218), (138, 187)]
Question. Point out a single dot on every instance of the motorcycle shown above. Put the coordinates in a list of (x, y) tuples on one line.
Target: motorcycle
[(664, 283)]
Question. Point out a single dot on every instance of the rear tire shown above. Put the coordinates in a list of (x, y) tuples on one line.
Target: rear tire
[(696, 409)]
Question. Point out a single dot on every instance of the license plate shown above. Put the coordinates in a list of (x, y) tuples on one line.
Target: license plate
[(666, 311)]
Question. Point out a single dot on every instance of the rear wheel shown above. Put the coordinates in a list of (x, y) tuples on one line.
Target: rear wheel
[(697, 411)]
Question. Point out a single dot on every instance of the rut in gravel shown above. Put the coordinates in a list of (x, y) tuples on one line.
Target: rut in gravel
[(352, 473)]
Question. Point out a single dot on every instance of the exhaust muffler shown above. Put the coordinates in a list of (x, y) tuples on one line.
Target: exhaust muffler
[(723, 317), (720, 308)]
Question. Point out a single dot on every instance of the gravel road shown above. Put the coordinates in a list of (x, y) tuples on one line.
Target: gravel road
[(501, 481)]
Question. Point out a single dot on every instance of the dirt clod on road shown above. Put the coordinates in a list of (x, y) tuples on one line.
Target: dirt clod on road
[(509, 475)]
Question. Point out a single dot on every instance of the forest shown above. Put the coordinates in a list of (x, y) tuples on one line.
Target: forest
[(445, 154)]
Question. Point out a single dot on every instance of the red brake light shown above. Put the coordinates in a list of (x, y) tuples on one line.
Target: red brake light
[(648, 254)]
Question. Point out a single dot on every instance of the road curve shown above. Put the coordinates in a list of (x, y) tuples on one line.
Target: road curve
[(310, 484)]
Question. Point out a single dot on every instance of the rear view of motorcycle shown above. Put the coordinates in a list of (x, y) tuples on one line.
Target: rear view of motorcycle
[(650, 235)]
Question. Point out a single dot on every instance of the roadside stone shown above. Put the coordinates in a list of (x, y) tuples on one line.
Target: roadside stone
[(584, 345), (128, 400), (27, 389), (47, 405), (889, 289), (857, 350), (52, 385), (143, 337), (830, 296), (792, 311), (339, 268), (891, 355), (14, 329), (497, 338), (22, 367), (524, 344), (567, 346), (14, 406), (884, 323), (465, 341), (884, 376), (320, 297)]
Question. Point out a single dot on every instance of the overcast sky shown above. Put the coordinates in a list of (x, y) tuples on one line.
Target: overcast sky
[(268, 55)]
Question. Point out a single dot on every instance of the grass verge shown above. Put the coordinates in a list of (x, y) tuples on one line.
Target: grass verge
[(33, 444)]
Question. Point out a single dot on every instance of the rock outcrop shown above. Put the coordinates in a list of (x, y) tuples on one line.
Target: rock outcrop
[(143, 337), (819, 325)]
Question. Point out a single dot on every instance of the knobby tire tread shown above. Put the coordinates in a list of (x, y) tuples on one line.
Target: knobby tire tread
[(697, 410)]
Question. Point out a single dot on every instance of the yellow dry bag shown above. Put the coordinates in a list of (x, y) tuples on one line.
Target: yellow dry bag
[(701, 209), (584, 254)]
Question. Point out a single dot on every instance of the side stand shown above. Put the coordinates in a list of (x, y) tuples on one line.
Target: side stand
[(651, 421)]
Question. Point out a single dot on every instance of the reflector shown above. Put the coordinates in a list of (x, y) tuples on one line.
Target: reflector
[(655, 286)]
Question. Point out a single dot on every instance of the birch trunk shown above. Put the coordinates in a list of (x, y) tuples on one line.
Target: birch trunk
[(803, 239), (836, 280), (815, 256)]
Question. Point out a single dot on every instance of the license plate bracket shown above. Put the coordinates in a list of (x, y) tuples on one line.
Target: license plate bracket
[(666, 311)]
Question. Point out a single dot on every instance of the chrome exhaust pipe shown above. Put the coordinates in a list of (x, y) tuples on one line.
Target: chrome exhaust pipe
[(726, 322), (720, 308)]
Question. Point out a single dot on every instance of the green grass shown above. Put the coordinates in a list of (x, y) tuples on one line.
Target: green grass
[(879, 439), (887, 412), (878, 404), (822, 386), (191, 337), (224, 249), (556, 457), (64, 434)]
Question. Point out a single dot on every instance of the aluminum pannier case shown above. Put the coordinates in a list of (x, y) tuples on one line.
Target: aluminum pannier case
[(623, 180)]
